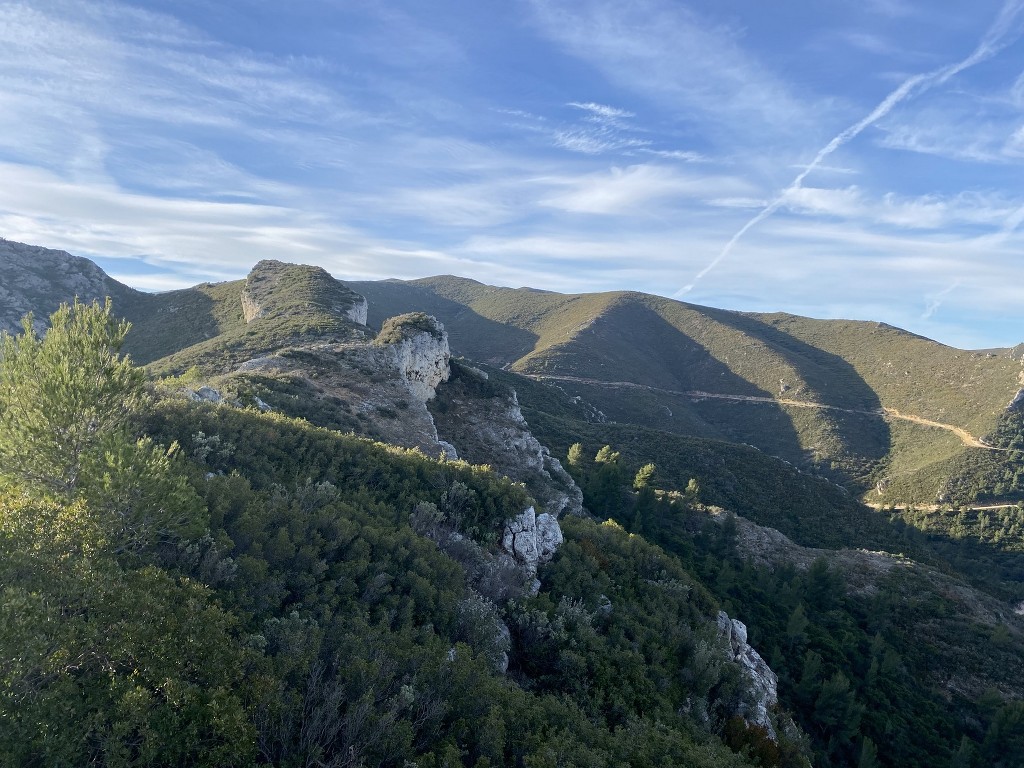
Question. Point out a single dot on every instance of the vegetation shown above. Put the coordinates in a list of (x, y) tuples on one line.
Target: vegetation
[(293, 615), (400, 327), (857, 670), (189, 583), (591, 343)]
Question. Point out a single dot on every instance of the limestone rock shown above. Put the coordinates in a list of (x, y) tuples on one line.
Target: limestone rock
[(38, 280), (485, 422), (417, 347), (520, 539), (549, 537), (762, 692), (209, 394), (357, 312), (274, 289), (532, 539)]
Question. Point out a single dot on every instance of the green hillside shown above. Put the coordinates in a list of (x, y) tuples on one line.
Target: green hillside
[(809, 391), (190, 583), (205, 326)]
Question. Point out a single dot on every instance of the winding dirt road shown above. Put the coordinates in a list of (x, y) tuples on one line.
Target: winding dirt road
[(884, 413)]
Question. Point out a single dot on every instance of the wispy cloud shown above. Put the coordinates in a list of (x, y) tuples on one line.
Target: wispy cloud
[(1004, 30), (602, 129), (669, 53), (623, 191), (602, 112), (677, 154)]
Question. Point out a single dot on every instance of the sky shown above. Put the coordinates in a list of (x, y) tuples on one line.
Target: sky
[(820, 157)]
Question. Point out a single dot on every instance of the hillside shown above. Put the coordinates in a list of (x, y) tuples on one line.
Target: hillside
[(822, 394), (36, 279), (400, 558)]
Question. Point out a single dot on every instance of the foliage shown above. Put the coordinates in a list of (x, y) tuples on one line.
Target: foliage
[(643, 354), (67, 405), (400, 327), (104, 656), (857, 670)]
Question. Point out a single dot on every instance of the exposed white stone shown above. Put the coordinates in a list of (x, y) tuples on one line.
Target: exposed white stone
[(357, 312), (209, 394), (251, 308), (549, 537), (449, 450), (762, 692), (520, 539), (422, 362), (532, 539)]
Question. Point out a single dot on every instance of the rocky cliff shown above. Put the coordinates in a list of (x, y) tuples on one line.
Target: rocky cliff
[(38, 280), (484, 421), (381, 388), (761, 693), (274, 288)]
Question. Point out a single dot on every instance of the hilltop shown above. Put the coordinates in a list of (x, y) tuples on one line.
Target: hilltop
[(850, 400), (403, 471)]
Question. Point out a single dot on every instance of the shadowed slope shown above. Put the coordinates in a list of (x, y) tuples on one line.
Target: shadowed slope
[(646, 360)]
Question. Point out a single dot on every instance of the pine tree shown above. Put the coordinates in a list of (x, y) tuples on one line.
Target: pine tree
[(68, 401), (65, 398)]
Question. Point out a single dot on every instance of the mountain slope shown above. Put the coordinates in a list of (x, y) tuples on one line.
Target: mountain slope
[(38, 280), (743, 377), (412, 589)]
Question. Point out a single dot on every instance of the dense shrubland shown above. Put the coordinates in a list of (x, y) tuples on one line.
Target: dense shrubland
[(187, 584), (861, 672)]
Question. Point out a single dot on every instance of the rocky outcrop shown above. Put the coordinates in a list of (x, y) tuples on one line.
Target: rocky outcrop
[(532, 539), (485, 422), (416, 346), (761, 694), (358, 311), (38, 280), (274, 289)]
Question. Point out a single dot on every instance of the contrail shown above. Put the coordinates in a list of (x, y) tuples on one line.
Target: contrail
[(1004, 30)]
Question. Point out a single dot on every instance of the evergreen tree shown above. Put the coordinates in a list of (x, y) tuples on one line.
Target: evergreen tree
[(68, 401), (66, 397)]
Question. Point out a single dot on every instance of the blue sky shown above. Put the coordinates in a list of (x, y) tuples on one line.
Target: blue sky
[(821, 157)]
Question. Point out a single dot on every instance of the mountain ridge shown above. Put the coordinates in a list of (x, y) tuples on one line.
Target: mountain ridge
[(801, 389), (861, 647)]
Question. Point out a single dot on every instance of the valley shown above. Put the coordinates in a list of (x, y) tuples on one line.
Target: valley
[(968, 439)]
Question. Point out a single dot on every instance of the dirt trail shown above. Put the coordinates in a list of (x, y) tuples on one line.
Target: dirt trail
[(885, 413)]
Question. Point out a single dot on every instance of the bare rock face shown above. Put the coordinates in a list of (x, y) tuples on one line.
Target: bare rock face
[(762, 690), (486, 424), (1017, 400), (417, 347), (532, 539), (357, 312), (36, 279)]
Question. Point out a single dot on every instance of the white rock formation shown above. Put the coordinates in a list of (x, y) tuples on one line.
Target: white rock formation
[(421, 359), (357, 312), (491, 430), (532, 539), (762, 692), (1017, 399), (450, 452), (251, 308)]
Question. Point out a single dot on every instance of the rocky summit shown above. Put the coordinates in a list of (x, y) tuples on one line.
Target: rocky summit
[(442, 523)]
